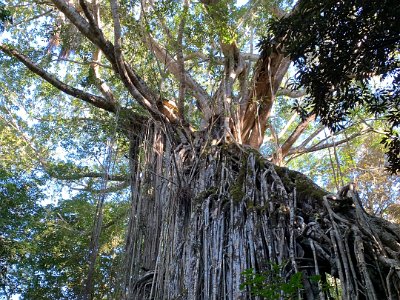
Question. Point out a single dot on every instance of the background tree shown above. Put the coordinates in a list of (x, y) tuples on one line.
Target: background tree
[(171, 84), (338, 48), (44, 247), (18, 212)]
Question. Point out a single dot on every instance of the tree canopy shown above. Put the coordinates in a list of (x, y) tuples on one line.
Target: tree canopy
[(340, 48)]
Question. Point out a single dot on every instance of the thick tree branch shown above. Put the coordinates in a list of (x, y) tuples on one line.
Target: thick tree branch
[(89, 30), (256, 109), (312, 136), (92, 17), (137, 88), (291, 93), (287, 125), (250, 56), (287, 145), (128, 76), (97, 101), (173, 67)]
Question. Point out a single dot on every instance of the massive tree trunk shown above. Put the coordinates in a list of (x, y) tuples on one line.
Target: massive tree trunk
[(202, 214)]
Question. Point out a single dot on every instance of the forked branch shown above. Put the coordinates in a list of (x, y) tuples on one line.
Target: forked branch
[(136, 87), (173, 67), (97, 101)]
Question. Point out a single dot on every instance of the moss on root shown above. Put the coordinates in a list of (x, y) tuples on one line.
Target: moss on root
[(305, 187), (236, 189), (205, 194)]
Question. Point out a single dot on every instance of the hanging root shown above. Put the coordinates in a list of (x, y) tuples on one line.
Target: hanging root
[(363, 251), (202, 215)]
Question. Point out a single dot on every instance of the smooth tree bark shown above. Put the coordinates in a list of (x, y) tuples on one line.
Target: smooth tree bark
[(206, 206)]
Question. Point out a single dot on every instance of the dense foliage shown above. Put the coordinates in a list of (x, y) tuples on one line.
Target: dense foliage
[(44, 247), (20, 220), (340, 49), (5, 16)]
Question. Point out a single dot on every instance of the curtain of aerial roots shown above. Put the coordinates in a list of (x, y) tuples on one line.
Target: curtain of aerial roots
[(200, 217)]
